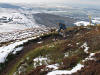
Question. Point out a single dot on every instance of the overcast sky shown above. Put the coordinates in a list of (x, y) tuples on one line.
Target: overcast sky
[(90, 2), (30, 1)]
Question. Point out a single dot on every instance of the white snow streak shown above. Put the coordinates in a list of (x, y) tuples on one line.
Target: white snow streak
[(81, 23), (5, 50), (53, 66), (75, 69), (40, 61), (90, 57), (85, 46), (17, 49)]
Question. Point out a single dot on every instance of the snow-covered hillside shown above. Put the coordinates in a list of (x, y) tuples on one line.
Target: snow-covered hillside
[(18, 25), (14, 21)]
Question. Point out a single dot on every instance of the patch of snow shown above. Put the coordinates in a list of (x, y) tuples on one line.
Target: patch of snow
[(86, 47), (51, 46), (5, 50), (90, 57), (75, 69), (77, 43), (22, 68), (40, 61), (27, 58), (42, 34), (17, 49), (38, 36), (40, 42), (69, 44), (91, 54), (81, 23), (84, 23), (66, 54), (54, 66)]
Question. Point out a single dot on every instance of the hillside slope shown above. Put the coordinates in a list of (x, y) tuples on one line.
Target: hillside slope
[(51, 20), (51, 54)]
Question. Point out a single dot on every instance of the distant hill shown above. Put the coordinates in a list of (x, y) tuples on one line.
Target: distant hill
[(51, 20), (6, 5)]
